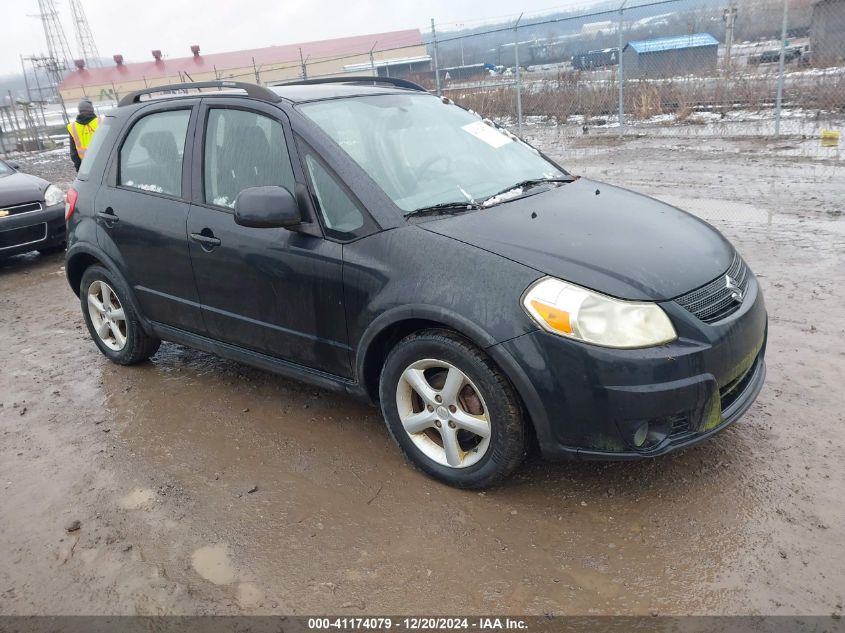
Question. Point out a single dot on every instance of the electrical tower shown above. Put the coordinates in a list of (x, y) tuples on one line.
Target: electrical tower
[(84, 38), (57, 47)]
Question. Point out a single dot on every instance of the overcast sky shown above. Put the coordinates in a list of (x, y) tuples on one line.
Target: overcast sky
[(135, 28)]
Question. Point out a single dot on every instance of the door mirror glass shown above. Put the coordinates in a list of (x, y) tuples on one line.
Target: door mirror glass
[(266, 208)]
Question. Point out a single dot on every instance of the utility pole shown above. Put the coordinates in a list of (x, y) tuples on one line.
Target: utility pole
[(729, 18), (516, 67), (373, 61), (620, 73), (255, 69), (436, 67), (783, 30), (302, 64)]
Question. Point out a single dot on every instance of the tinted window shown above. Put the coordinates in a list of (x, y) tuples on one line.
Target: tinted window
[(242, 150), (151, 156), (94, 147), (339, 212)]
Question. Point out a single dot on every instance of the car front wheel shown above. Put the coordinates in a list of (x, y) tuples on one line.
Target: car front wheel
[(451, 410), (112, 322)]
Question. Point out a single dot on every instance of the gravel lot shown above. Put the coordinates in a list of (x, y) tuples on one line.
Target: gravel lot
[(156, 462)]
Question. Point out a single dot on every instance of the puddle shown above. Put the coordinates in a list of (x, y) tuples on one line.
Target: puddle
[(212, 562), (249, 594)]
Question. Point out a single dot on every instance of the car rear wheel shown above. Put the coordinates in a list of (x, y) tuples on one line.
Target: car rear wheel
[(451, 410), (111, 321)]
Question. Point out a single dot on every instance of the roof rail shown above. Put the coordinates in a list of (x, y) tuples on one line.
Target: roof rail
[(252, 90), (356, 79)]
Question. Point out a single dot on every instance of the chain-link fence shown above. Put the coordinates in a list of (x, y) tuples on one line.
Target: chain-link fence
[(574, 83), (751, 68)]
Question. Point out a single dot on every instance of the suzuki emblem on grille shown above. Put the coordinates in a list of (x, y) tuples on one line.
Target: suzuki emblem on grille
[(733, 288)]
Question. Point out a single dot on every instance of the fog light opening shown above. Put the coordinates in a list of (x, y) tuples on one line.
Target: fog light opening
[(641, 435)]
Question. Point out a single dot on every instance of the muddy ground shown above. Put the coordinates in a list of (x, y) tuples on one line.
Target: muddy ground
[(156, 462)]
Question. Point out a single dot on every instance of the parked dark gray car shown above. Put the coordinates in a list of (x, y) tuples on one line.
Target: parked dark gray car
[(31, 213), (366, 236)]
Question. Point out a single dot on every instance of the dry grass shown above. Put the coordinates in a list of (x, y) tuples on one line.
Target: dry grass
[(573, 94)]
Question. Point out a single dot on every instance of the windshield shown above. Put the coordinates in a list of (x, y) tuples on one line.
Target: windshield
[(5, 170), (423, 152)]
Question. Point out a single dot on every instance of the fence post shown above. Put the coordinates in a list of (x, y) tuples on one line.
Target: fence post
[(518, 76), (779, 101), (620, 73), (436, 67)]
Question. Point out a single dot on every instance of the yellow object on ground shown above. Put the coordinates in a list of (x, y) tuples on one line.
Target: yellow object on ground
[(830, 137)]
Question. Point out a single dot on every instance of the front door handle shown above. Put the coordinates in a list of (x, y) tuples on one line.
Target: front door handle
[(206, 240)]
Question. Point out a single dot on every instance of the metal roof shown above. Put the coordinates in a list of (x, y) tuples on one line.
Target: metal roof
[(272, 56), (673, 43)]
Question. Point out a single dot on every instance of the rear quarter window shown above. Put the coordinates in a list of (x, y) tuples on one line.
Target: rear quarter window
[(94, 146)]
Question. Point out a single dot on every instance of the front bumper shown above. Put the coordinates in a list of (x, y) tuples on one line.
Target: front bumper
[(32, 230), (588, 402)]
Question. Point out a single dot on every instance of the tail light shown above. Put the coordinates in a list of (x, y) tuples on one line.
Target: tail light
[(70, 203)]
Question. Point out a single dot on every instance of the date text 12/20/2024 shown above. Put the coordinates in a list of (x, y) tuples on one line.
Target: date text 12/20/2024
[(416, 624)]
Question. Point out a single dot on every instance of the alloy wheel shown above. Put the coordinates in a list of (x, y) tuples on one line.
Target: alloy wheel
[(443, 413), (107, 315)]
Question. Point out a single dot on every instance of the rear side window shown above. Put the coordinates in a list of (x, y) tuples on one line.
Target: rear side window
[(151, 156), (243, 149), (94, 146)]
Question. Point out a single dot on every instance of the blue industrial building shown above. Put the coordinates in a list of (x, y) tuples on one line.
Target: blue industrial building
[(671, 56)]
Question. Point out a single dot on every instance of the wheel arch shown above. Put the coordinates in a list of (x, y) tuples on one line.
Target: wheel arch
[(80, 258), (392, 326)]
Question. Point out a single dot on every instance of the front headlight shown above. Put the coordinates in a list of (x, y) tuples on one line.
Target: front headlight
[(53, 196), (569, 310)]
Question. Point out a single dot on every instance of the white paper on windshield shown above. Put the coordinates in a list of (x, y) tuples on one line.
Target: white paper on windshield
[(490, 135)]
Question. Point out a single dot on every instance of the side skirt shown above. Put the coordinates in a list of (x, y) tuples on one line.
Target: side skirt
[(272, 364)]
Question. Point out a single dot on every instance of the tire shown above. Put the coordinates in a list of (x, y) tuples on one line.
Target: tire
[(52, 250), (435, 434), (121, 340)]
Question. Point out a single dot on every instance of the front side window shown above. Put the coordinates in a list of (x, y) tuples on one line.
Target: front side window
[(151, 156), (423, 152), (243, 149)]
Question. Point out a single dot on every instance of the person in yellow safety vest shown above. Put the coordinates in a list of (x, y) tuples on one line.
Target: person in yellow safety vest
[(81, 131)]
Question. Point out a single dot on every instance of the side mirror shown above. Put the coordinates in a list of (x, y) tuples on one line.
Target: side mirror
[(267, 208)]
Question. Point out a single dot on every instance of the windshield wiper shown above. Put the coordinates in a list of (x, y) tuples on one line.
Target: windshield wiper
[(463, 205), (525, 184)]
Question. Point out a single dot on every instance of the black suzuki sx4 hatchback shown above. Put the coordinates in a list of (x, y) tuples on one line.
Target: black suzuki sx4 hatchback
[(372, 238)]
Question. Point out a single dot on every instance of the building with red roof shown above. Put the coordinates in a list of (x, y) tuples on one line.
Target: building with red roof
[(394, 53)]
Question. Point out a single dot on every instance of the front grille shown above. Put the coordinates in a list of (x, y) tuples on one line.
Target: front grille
[(25, 235), (715, 301), (20, 208)]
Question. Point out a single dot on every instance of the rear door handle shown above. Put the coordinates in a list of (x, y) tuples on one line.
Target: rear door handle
[(108, 215), (206, 240)]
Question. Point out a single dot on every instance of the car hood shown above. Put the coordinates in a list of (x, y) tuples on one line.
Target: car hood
[(20, 188), (612, 240)]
